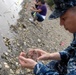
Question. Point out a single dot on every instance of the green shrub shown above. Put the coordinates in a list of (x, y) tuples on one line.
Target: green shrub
[(50, 2)]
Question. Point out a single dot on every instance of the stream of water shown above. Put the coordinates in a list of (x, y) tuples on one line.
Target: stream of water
[(9, 10)]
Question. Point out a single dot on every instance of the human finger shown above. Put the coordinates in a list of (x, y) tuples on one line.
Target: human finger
[(22, 54), (23, 58), (40, 58), (22, 63)]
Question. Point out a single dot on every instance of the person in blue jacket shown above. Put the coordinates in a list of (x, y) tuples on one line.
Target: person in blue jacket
[(64, 62)]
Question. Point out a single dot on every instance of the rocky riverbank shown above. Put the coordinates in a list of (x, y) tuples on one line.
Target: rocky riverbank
[(47, 35)]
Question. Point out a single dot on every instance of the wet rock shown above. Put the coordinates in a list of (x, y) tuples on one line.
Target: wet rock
[(6, 65), (11, 71), (0, 66), (25, 43), (39, 40), (6, 54), (7, 41), (13, 28), (22, 72), (3, 56), (18, 71)]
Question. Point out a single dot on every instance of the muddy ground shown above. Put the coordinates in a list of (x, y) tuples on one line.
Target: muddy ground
[(47, 35)]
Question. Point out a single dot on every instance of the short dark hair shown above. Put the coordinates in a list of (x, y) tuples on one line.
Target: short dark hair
[(42, 1)]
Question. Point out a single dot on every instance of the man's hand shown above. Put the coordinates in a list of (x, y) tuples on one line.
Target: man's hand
[(26, 62), (32, 8), (35, 2), (40, 54)]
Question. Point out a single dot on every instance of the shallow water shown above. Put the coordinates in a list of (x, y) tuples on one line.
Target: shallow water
[(9, 10)]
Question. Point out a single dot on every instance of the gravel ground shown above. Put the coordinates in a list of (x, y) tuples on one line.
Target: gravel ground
[(47, 35)]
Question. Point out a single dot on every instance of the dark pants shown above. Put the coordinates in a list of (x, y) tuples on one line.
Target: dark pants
[(39, 17)]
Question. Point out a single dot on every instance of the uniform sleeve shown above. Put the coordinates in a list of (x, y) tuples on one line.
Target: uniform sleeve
[(65, 54), (68, 52), (41, 69)]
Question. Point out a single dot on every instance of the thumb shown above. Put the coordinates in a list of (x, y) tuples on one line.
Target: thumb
[(22, 58), (40, 58)]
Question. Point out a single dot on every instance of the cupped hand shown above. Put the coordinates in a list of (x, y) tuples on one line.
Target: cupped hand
[(41, 55), (26, 62)]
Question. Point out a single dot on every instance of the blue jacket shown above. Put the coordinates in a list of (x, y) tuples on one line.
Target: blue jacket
[(68, 57)]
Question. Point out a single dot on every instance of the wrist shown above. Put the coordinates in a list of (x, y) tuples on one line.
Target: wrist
[(34, 65), (49, 56)]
